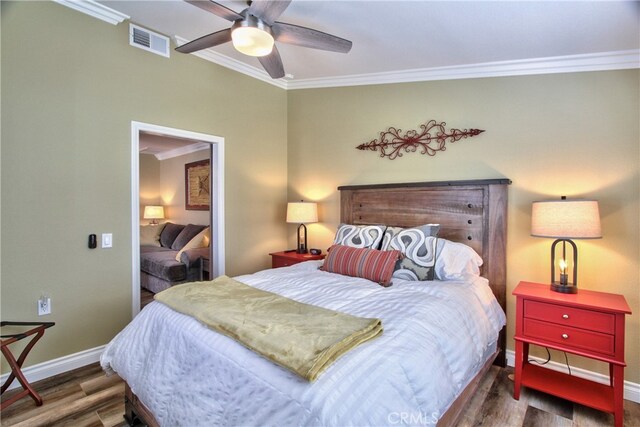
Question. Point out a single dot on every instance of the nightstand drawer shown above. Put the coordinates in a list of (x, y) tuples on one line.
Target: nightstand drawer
[(287, 258), (578, 339), (569, 316), (278, 262)]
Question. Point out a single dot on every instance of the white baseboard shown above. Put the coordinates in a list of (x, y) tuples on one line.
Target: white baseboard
[(631, 390), (57, 366)]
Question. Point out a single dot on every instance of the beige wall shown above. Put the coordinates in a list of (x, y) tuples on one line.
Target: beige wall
[(71, 85), (149, 176), (173, 191), (162, 183), (563, 134)]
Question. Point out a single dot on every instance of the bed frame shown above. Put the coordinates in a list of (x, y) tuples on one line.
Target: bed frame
[(470, 212)]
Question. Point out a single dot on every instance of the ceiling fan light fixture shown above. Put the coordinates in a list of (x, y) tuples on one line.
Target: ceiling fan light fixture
[(255, 29), (251, 37)]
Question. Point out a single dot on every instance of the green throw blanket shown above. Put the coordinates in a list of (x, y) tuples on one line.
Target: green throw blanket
[(303, 338)]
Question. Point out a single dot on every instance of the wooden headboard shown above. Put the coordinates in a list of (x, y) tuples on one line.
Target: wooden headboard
[(470, 212)]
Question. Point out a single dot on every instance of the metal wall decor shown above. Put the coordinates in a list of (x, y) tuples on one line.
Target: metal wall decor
[(431, 138)]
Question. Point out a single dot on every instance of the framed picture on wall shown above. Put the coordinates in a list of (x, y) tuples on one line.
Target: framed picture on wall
[(197, 186)]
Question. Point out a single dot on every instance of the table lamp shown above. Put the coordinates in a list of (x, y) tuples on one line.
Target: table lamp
[(565, 220), (154, 213), (302, 212)]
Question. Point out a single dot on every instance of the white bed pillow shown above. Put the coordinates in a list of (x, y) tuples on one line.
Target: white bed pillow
[(454, 260)]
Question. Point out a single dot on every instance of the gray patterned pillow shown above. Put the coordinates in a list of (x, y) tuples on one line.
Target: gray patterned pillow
[(359, 236), (418, 245), (390, 232)]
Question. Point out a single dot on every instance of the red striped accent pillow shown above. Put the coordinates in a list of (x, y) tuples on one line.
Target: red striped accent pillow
[(371, 264)]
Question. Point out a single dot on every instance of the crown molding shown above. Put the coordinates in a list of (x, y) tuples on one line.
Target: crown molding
[(95, 9), (603, 61), (181, 151), (617, 60), (234, 64)]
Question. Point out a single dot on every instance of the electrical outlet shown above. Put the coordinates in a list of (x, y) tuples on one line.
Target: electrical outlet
[(44, 306)]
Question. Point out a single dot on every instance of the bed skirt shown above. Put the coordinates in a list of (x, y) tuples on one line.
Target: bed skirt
[(136, 412)]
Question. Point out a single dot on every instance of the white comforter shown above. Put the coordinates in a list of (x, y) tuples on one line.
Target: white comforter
[(435, 338)]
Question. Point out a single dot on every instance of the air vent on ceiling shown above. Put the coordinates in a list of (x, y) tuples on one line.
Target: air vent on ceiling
[(147, 40)]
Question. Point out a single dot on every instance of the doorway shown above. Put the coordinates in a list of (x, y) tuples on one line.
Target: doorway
[(216, 211)]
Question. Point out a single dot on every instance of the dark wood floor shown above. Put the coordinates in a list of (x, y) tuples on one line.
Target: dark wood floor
[(87, 398), (82, 397), (145, 297), (494, 405)]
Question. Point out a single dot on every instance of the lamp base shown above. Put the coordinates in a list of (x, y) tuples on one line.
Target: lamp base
[(569, 288), (302, 239)]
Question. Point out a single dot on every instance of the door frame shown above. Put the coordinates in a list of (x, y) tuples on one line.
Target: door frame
[(216, 215)]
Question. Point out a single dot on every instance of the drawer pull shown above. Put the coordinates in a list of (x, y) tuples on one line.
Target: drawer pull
[(565, 316), (565, 336)]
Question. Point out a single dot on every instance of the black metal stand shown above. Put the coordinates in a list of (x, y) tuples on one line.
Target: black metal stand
[(564, 286), (302, 241)]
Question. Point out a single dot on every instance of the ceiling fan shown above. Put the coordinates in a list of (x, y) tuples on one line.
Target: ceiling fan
[(255, 29)]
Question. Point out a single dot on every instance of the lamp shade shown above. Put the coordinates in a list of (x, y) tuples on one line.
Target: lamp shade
[(301, 212), (566, 219), (153, 212)]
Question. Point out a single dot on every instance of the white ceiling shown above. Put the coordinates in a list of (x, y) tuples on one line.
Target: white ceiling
[(413, 37), (165, 147)]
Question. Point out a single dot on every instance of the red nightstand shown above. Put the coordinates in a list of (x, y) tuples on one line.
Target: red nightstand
[(589, 324), (285, 259)]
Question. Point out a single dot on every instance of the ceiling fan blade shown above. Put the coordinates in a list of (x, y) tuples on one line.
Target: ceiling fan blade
[(204, 42), (307, 37), (216, 9), (273, 64), (268, 10)]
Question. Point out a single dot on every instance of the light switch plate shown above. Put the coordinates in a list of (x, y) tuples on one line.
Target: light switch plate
[(107, 240)]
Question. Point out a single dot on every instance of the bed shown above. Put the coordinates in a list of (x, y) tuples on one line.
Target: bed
[(440, 338)]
